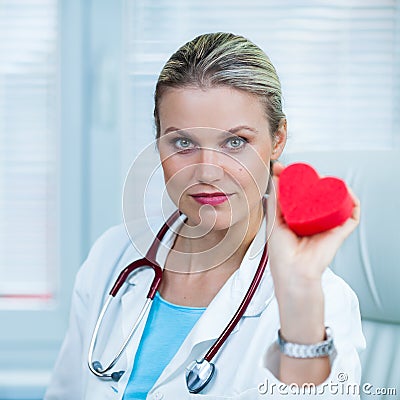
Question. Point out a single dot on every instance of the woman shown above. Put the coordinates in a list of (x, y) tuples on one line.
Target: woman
[(220, 125)]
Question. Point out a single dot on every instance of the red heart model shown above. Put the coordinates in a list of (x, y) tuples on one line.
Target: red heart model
[(310, 204)]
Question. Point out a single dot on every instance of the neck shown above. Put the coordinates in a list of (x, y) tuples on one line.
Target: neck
[(217, 248)]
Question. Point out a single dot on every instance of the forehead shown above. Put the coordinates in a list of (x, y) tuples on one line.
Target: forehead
[(220, 107)]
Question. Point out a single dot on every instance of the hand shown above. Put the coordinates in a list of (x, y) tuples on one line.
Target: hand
[(294, 259)]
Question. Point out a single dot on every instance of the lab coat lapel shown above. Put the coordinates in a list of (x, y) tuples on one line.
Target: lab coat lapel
[(138, 285), (132, 303), (126, 306)]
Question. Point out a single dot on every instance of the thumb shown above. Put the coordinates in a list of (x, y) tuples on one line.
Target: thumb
[(277, 168)]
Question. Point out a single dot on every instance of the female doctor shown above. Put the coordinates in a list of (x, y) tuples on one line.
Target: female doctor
[(220, 125)]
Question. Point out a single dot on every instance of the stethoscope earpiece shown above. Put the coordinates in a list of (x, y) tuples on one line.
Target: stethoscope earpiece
[(97, 366), (116, 376), (198, 374)]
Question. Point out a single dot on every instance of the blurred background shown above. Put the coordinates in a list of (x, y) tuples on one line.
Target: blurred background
[(76, 99)]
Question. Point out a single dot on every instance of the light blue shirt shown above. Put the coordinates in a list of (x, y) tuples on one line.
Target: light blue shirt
[(166, 328)]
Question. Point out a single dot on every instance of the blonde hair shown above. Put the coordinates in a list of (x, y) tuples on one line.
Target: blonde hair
[(223, 59)]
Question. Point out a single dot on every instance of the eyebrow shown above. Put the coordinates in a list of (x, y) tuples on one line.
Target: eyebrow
[(243, 127), (232, 130)]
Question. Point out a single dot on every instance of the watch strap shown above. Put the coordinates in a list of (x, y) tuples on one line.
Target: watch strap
[(297, 350)]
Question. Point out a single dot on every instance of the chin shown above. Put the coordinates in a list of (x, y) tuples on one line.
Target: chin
[(210, 219)]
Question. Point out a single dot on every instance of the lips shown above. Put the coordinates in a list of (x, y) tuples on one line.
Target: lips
[(213, 199)]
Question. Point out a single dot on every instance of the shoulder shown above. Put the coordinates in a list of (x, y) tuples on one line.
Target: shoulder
[(113, 240), (122, 237), (118, 245)]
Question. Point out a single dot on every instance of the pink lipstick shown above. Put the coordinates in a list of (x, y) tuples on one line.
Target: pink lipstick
[(212, 199)]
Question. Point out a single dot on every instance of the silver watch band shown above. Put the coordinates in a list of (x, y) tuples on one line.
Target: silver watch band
[(296, 350)]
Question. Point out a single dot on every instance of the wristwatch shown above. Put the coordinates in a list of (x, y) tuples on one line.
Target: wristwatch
[(296, 350)]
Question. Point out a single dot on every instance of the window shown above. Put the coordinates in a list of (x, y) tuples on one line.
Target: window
[(28, 153), (40, 188), (338, 62)]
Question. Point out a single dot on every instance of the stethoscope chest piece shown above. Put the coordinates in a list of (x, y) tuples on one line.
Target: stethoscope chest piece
[(198, 374)]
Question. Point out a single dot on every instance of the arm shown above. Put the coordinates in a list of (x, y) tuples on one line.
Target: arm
[(297, 265)]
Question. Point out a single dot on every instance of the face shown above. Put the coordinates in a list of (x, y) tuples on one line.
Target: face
[(215, 147)]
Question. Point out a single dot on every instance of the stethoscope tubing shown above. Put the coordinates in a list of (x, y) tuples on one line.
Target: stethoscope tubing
[(99, 371), (242, 308), (149, 262)]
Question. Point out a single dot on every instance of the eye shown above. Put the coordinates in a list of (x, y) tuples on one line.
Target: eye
[(183, 143), (235, 143)]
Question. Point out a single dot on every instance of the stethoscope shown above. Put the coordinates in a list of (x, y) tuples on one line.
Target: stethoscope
[(199, 372)]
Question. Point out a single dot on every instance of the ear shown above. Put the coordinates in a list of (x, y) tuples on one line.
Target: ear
[(279, 141)]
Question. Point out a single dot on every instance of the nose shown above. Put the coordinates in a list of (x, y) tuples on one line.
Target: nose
[(208, 170)]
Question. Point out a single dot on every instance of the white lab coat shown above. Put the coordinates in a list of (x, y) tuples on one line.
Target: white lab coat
[(246, 365)]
